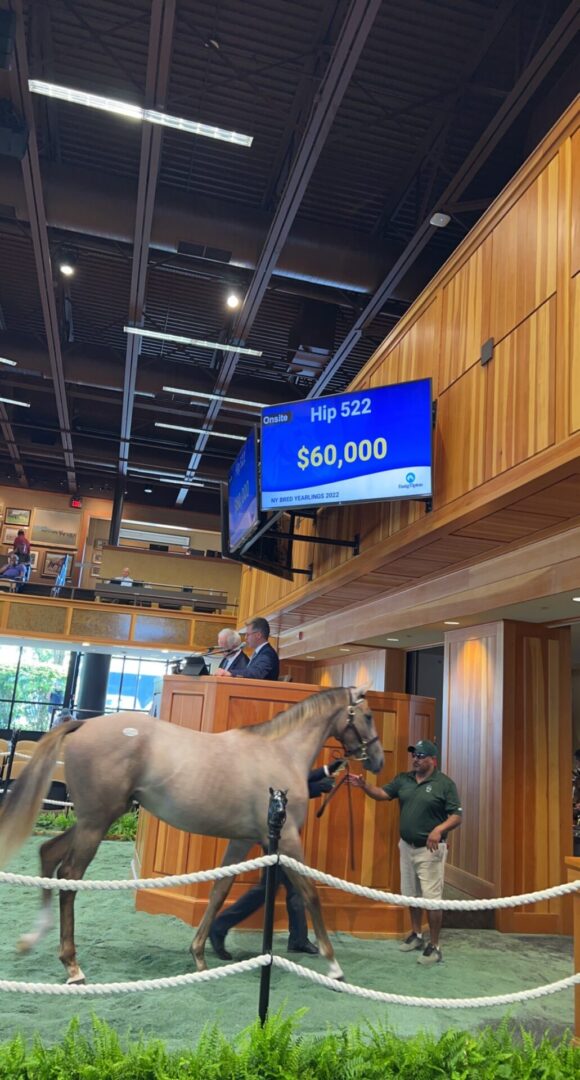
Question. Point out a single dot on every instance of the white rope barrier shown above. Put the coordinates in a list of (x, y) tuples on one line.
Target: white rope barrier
[(430, 905), (268, 860), (139, 883), (170, 982), (426, 1002)]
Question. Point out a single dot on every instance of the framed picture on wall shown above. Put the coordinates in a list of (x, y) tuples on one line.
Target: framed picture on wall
[(99, 543), (97, 558), (34, 560), (9, 534), (14, 516), (95, 570), (52, 563), (55, 528)]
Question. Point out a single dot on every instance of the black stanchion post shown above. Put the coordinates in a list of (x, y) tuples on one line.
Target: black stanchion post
[(276, 819), (8, 767)]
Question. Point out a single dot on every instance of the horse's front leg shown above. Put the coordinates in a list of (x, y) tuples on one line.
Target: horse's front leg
[(290, 844), (236, 851)]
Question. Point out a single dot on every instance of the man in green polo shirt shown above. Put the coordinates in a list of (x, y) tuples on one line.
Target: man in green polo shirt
[(430, 809)]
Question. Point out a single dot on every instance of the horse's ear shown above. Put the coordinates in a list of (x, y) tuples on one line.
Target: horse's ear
[(359, 692)]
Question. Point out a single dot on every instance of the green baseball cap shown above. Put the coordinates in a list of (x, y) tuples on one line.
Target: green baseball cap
[(425, 747)]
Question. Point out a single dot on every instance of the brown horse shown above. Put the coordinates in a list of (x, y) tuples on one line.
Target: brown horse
[(213, 784)]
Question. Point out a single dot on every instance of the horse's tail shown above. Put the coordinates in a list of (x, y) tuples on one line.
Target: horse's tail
[(22, 803)]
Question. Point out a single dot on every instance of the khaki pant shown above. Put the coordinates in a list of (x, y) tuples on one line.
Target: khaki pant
[(422, 871)]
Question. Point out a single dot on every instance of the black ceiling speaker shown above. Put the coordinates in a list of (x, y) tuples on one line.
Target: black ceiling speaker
[(13, 131), (7, 33)]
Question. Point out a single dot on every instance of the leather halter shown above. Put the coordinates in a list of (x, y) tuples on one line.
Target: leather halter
[(360, 751)]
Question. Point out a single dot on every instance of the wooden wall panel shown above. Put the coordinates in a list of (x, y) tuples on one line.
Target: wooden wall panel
[(537, 739), (575, 209), (460, 436), (521, 392), (472, 704), (507, 739), (524, 254), (575, 355), (465, 316)]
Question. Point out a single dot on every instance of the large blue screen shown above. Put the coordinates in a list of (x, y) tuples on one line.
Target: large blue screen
[(354, 447), (243, 493)]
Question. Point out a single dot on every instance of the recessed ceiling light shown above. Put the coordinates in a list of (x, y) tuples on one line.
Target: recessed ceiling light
[(148, 491), (233, 301), (86, 644), (201, 431), (215, 397), (66, 268), (311, 658), (439, 220), (392, 639), (164, 651), (576, 599), (344, 650), (13, 401), (4, 360), (135, 112), (157, 335), (451, 622)]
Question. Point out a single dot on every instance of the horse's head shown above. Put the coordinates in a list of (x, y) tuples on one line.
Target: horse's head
[(357, 731)]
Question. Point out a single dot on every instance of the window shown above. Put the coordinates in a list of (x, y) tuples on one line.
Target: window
[(32, 685), (132, 682)]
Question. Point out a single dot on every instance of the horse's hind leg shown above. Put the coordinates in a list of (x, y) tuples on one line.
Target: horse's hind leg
[(290, 845), (76, 860), (235, 852), (51, 855)]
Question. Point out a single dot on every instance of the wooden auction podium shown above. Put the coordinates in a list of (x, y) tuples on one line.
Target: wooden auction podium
[(214, 704)]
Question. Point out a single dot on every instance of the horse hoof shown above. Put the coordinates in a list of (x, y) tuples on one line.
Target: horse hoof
[(26, 943), (78, 980)]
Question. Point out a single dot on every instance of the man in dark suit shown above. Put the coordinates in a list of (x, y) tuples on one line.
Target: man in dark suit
[(264, 663), (230, 644), (319, 782)]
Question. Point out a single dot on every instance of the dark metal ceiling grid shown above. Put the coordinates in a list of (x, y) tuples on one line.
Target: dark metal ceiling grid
[(416, 105)]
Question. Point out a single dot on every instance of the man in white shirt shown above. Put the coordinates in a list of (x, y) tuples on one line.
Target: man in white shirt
[(234, 660), (125, 578)]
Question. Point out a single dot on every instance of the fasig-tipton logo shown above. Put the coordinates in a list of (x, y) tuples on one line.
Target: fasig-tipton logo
[(278, 418), (411, 482)]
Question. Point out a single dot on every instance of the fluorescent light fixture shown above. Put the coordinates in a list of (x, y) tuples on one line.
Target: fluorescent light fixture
[(13, 401), (344, 650), (157, 525), (215, 397), (451, 622), (135, 112), (392, 639), (201, 431), (11, 363), (182, 483), (158, 335), (439, 220)]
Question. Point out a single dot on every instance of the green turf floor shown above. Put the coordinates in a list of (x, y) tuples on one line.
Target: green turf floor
[(117, 943)]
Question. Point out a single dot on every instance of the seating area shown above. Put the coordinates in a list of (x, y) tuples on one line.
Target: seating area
[(166, 596)]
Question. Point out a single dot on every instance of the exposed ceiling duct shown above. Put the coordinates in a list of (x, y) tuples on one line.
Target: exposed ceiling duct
[(103, 205)]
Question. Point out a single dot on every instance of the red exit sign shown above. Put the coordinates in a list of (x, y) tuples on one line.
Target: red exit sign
[(76, 502)]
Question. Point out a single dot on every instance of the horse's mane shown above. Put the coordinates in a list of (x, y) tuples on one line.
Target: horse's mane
[(297, 716)]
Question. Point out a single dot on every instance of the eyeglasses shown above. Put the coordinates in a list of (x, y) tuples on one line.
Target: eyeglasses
[(420, 756)]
